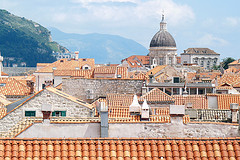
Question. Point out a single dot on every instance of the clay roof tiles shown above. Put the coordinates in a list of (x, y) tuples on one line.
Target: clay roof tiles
[(64, 64), (131, 149), (12, 87), (157, 95), (196, 101), (156, 69), (224, 100)]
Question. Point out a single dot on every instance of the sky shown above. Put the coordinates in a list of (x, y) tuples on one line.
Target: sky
[(213, 24)]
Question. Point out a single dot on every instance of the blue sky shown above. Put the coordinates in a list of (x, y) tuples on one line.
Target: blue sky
[(193, 23)]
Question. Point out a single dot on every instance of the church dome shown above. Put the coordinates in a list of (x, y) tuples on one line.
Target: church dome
[(163, 38)]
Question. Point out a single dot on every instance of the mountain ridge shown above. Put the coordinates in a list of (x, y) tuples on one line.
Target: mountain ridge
[(104, 48)]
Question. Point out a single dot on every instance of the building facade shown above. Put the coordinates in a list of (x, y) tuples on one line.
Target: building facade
[(203, 57)]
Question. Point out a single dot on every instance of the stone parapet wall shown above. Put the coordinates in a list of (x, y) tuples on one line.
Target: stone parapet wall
[(210, 115), (81, 88)]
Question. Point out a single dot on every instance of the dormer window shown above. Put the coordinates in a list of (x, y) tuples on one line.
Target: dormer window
[(84, 59), (61, 60)]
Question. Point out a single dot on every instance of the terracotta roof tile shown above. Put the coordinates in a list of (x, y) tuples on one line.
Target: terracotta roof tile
[(196, 101), (156, 69), (62, 64), (12, 87), (156, 95), (224, 100)]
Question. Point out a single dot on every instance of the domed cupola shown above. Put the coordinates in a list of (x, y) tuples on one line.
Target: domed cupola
[(163, 38)]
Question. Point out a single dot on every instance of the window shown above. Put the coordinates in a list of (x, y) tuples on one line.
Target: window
[(161, 61), (202, 63), (170, 60), (30, 113), (176, 80), (59, 114), (86, 68)]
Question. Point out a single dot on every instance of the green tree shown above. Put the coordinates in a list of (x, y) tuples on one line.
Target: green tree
[(226, 61)]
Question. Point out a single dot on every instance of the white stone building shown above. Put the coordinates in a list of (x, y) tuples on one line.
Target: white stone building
[(203, 57), (163, 49)]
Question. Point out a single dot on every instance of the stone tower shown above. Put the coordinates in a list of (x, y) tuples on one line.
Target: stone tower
[(163, 50)]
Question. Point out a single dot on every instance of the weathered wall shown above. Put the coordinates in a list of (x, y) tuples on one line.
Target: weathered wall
[(100, 87), (172, 130), (136, 130), (58, 103), (83, 130), (212, 102)]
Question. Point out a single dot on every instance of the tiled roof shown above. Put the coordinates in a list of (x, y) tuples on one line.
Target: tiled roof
[(232, 70), (224, 86), (224, 100), (229, 78), (119, 100), (4, 74), (83, 73), (191, 76), (64, 64), (123, 71), (122, 114), (156, 95), (74, 73), (24, 79), (235, 62), (12, 87), (121, 149), (105, 70), (137, 75), (196, 101), (136, 61), (236, 85), (156, 69), (199, 51)]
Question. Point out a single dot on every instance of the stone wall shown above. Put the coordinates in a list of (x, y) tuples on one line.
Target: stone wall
[(19, 71), (83, 130), (81, 88), (157, 130), (58, 103), (135, 130)]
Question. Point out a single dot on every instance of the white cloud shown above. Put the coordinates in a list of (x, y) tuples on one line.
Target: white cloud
[(232, 21), (209, 40)]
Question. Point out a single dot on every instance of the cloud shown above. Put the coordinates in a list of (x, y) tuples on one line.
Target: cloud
[(209, 40), (232, 21)]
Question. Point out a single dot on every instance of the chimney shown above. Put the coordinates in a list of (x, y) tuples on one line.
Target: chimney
[(104, 119), (30, 84), (76, 54), (144, 88), (46, 111), (176, 113), (145, 111), (135, 107), (234, 108)]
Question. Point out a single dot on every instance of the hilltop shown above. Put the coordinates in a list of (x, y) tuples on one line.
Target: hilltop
[(22, 40)]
